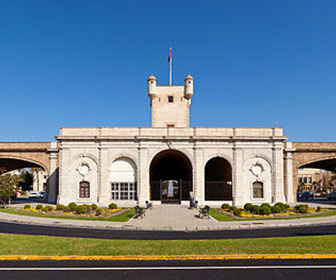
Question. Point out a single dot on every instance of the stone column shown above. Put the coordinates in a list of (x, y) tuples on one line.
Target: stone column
[(53, 173), (289, 172), (143, 176), (277, 172), (237, 178), (198, 175), (104, 186)]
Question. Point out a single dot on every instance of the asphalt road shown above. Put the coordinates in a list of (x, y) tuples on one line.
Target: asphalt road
[(165, 235), (237, 269)]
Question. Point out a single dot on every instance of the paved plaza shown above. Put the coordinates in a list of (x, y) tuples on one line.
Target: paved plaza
[(171, 217)]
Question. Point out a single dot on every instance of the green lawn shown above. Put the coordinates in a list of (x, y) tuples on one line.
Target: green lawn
[(122, 217), (220, 216), (11, 244)]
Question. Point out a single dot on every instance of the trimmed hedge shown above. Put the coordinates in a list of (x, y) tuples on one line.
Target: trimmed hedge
[(48, 208), (265, 209), (60, 207), (225, 206), (113, 206), (72, 206), (81, 209), (248, 206), (39, 207), (276, 209), (27, 206), (255, 209)]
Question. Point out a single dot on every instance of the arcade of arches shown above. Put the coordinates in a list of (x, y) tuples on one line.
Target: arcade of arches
[(174, 169)]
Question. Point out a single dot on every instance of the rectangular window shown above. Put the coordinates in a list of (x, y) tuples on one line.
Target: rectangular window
[(124, 191), (84, 189), (170, 125), (170, 99), (258, 190), (310, 180)]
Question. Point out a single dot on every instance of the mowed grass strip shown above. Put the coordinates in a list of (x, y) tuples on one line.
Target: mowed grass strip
[(122, 217), (220, 216), (12, 244)]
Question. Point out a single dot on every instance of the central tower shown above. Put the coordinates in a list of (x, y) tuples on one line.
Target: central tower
[(170, 104)]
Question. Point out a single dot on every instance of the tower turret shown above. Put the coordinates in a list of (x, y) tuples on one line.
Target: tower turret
[(151, 86), (188, 87)]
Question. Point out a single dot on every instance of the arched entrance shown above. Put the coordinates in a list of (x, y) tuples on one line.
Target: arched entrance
[(218, 179), (123, 179), (170, 177)]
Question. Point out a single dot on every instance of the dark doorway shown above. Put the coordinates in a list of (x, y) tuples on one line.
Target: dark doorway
[(218, 179), (170, 177)]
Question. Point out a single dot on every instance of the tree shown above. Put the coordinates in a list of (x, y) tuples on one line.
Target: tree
[(332, 181), (8, 185), (26, 179)]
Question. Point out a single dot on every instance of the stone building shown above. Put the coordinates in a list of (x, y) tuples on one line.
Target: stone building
[(170, 161)]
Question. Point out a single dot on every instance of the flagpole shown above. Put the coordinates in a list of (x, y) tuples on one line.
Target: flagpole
[(170, 68)]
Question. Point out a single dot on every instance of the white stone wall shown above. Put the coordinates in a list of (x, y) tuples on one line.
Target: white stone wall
[(100, 154)]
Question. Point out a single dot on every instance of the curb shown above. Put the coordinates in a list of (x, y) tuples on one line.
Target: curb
[(166, 258)]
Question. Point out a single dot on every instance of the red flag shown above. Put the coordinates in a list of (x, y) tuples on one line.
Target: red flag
[(170, 55)]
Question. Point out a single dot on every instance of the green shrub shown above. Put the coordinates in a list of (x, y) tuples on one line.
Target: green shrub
[(27, 206), (60, 207), (94, 207), (247, 207), (113, 206), (318, 209), (232, 208), (237, 211), (225, 206), (265, 209), (99, 211), (81, 209), (276, 209), (282, 206), (266, 205), (88, 208), (301, 208), (48, 208), (72, 206), (66, 209), (39, 207), (255, 209)]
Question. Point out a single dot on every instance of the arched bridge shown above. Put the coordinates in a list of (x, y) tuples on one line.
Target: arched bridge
[(16, 155), (321, 155)]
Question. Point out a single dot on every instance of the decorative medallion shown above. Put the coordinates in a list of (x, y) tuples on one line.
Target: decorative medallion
[(83, 169), (256, 169)]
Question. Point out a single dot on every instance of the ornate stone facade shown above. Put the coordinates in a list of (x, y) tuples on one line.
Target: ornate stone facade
[(251, 158)]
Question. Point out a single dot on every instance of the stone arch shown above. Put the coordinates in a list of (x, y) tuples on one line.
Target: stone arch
[(158, 151), (170, 167), (85, 155), (218, 173), (221, 155), (262, 157), (126, 165), (250, 176), (315, 160), (28, 160), (124, 155), (123, 179)]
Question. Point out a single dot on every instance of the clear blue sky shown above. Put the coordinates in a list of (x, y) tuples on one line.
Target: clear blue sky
[(85, 63)]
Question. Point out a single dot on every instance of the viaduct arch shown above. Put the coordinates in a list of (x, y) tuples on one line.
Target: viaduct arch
[(321, 155), (16, 155)]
